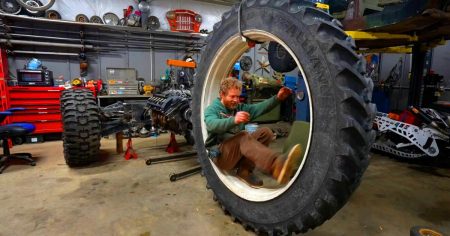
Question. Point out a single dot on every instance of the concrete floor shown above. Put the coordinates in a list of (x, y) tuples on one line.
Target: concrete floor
[(119, 197)]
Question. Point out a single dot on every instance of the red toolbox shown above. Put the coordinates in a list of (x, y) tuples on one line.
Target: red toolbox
[(3, 76), (42, 107)]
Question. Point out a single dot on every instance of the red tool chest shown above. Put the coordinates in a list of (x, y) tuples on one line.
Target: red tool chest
[(42, 107), (3, 76), (3, 99)]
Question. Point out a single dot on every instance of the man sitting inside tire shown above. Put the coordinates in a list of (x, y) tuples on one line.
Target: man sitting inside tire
[(239, 150)]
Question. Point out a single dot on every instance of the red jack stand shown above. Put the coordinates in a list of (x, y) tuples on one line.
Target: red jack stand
[(173, 145), (130, 153)]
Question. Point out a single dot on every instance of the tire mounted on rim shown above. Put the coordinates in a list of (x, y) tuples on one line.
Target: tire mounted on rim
[(36, 8), (341, 115), (81, 123)]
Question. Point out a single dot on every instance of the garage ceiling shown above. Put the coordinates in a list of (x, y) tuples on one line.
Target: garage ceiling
[(221, 2)]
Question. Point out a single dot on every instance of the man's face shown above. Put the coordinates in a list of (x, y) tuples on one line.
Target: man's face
[(230, 99)]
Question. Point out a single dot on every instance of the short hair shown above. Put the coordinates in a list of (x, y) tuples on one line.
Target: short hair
[(229, 83)]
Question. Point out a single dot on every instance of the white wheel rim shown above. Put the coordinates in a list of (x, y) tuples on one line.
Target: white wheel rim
[(224, 59), (32, 3)]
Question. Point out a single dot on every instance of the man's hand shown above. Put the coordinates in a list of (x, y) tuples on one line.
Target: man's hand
[(283, 93), (241, 117)]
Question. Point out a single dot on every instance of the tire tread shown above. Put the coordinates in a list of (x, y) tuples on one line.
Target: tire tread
[(356, 111), (81, 123)]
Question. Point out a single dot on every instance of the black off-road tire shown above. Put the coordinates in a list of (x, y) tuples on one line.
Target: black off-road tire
[(342, 113), (81, 123)]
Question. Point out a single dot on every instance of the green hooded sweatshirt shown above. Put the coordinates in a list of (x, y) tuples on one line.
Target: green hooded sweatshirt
[(220, 120)]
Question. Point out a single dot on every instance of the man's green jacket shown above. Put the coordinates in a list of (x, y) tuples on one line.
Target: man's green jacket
[(220, 120)]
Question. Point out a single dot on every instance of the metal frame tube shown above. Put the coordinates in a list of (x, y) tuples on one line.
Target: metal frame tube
[(44, 53), (49, 44), (149, 41)]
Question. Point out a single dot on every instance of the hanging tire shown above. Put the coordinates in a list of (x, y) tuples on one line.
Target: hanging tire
[(340, 131), (279, 58), (81, 123)]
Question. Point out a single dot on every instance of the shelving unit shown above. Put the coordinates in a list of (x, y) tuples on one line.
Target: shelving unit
[(41, 32), (64, 42)]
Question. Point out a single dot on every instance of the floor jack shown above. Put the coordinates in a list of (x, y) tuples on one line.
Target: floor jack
[(172, 149)]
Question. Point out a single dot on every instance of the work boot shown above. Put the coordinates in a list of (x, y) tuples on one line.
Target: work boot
[(283, 166), (249, 178)]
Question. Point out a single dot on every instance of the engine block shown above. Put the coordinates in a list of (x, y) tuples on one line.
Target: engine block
[(171, 111)]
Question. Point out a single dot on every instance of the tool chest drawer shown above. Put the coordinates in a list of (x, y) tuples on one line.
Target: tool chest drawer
[(42, 107)]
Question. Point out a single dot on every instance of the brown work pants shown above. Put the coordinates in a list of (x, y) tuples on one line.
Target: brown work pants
[(248, 151)]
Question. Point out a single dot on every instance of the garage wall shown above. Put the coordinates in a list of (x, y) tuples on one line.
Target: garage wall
[(211, 13), (399, 95), (150, 64), (441, 65)]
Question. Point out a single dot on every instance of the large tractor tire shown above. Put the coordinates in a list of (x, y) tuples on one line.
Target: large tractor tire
[(340, 133), (81, 123)]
